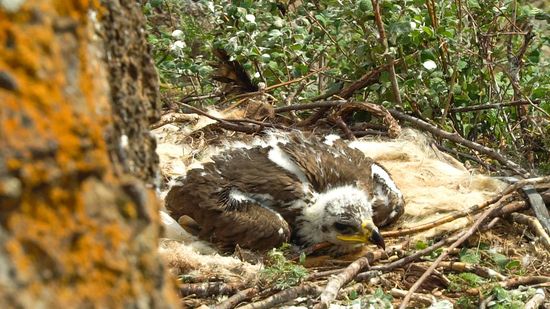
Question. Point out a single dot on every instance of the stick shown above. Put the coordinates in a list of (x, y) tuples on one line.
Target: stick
[(537, 203), (455, 137), (234, 300), (444, 254), (512, 284), (233, 124), (491, 105), (317, 104), (482, 271), (377, 110), (536, 301), (343, 126), (174, 117), (535, 226), (421, 298), (307, 289), (208, 289), (387, 54), (336, 283), (405, 260), (499, 197)]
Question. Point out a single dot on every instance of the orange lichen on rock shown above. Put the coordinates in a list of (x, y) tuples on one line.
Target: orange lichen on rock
[(72, 234)]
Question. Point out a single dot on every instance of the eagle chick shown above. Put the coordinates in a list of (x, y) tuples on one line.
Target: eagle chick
[(288, 188)]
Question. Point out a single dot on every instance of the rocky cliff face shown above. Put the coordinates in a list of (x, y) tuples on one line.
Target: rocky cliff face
[(78, 217)]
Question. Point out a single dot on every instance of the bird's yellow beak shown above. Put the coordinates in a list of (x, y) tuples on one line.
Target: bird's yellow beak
[(369, 233)]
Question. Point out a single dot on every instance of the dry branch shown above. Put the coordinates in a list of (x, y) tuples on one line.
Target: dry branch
[(317, 104), (491, 106), (481, 271), (208, 289), (405, 260), (536, 301), (499, 197), (234, 300), (418, 297), (455, 137), (535, 226), (378, 110), (387, 54), (307, 289), (236, 124), (174, 117), (512, 283), (449, 218), (537, 203), (336, 283)]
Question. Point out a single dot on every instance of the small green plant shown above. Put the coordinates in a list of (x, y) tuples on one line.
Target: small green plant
[(470, 256), (464, 281), (509, 299), (504, 263), (280, 272), (377, 300), (467, 302)]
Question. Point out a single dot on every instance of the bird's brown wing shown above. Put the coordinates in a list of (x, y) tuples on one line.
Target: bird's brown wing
[(252, 172), (328, 166), (251, 226)]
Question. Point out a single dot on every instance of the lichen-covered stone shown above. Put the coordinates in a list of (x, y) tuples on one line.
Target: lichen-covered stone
[(79, 221)]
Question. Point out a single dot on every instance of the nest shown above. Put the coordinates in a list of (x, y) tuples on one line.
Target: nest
[(457, 221)]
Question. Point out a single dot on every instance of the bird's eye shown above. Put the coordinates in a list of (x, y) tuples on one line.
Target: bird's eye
[(345, 228)]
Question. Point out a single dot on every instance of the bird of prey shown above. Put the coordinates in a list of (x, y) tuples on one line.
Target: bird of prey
[(288, 188)]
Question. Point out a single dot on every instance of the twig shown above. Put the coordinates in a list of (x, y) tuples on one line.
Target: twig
[(491, 106), (536, 301), (467, 156), (502, 196), (208, 289), (234, 300), (174, 117), (292, 81), (201, 97), (482, 271), (535, 226), (336, 283), (377, 110), (537, 203), (233, 124), (463, 237), (512, 283), (389, 57), (446, 219), (346, 93), (455, 137), (317, 104), (407, 259), (307, 289), (336, 119), (418, 297)]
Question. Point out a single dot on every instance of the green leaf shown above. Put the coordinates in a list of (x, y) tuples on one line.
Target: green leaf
[(500, 259), (513, 264), (302, 258), (471, 278), (469, 256), (428, 31), (365, 6)]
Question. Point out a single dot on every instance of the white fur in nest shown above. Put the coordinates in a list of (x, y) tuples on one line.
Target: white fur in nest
[(433, 183), (185, 259)]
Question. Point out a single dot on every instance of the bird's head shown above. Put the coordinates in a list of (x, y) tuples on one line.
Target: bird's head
[(342, 216)]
